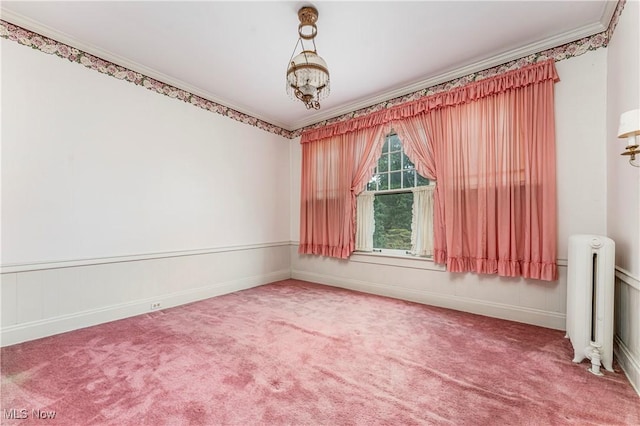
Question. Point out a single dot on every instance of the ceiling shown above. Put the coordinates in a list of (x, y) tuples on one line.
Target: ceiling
[(236, 52)]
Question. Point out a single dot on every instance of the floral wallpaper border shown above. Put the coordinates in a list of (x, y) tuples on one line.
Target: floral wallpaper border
[(50, 46)]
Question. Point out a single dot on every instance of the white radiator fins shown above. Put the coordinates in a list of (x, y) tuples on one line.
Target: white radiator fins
[(590, 291)]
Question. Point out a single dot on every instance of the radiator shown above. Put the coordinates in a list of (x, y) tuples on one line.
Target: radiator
[(590, 291)]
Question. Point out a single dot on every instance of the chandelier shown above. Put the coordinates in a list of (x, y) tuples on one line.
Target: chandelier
[(307, 74)]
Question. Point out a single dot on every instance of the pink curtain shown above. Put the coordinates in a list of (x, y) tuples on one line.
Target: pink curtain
[(501, 184), (418, 135), (494, 162), (334, 171)]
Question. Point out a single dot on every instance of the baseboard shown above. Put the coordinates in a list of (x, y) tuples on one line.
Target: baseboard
[(43, 328), (629, 364), (537, 317)]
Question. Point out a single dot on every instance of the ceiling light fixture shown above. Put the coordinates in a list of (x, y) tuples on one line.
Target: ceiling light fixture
[(307, 74)]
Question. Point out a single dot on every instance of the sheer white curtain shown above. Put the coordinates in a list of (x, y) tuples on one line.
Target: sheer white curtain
[(365, 221), (422, 221)]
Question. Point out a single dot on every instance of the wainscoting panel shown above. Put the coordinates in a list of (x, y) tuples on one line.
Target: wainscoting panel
[(627, 325), (43, 302), (528, 301)]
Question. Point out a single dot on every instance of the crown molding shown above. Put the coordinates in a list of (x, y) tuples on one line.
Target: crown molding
[(607, 13), (532, 48), (46, 31)]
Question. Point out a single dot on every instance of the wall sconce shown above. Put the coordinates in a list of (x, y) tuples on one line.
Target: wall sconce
[(630, 129)]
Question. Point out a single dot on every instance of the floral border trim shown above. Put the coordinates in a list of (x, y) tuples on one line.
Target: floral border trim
[(64, 51), (565, 51)]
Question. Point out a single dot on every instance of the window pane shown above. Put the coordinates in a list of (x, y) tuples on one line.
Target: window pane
[(396, 180), (393, 221), (371, 186), (395, 144), (408, 178), (396, 158), (422, 180), (384, 181), (383, 163)]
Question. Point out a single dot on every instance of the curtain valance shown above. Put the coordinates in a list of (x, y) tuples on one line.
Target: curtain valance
[(510, 80)]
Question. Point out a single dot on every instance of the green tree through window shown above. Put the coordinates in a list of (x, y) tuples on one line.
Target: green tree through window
[(392, 214)]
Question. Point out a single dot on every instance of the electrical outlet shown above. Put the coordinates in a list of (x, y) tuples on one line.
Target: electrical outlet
[(155, 305)]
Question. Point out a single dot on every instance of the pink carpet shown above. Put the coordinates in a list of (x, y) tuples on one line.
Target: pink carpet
[(297, 353)]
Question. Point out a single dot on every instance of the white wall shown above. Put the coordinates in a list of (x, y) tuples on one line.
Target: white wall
[(580, 129), (113, 196), (623, 188), (93, 166)]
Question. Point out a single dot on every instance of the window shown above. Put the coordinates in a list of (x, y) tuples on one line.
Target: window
[(394, 171), (389, 202)]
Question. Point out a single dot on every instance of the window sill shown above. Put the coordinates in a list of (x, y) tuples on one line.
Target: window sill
[(396, 259)]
